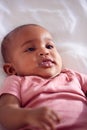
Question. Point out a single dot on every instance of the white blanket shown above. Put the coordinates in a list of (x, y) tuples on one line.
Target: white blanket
[(65, 19)]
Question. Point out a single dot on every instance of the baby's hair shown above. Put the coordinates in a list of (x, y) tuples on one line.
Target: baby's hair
[(7, 41)]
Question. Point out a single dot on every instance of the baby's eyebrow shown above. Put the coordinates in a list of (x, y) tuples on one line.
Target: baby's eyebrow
[(27, 42), (33, 40)]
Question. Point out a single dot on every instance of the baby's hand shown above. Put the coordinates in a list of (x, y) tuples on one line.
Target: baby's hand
[(43, 118)]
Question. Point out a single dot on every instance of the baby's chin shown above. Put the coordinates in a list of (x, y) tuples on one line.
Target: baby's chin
[(48, 75)]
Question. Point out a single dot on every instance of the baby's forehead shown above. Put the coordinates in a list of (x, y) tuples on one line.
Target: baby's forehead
[(29, 31)]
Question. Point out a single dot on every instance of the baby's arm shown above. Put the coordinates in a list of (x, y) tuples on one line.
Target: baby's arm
[(12, 116)]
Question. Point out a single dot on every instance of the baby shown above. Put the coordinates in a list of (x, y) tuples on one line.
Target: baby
[(38, 94)]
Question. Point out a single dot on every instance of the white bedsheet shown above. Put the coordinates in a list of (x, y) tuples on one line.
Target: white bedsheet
[(65, 19)]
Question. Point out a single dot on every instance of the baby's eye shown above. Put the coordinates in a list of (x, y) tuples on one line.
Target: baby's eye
[(30, 49), (49, 46)]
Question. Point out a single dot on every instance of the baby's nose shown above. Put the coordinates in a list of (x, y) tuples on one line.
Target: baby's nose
[(43, 52)]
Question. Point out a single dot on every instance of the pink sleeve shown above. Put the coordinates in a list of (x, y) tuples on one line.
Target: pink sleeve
[(83, 81), (12, 86)]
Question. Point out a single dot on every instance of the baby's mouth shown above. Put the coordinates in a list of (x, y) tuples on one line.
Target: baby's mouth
[(47, 63)]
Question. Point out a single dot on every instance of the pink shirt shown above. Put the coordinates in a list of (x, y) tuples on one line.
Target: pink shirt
[(65, 93)]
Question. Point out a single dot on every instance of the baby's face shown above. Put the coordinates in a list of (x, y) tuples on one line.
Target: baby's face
[(34, 53)]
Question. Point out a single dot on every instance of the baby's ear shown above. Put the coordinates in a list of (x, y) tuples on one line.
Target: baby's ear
[(9, 69)]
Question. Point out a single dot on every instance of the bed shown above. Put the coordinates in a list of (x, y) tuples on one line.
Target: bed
[(65, 19)]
